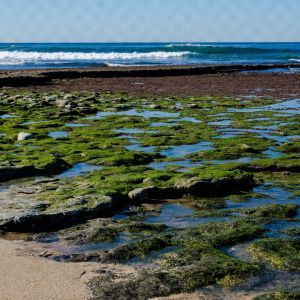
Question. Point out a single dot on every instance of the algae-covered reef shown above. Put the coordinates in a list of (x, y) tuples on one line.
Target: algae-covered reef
[(167, 187)]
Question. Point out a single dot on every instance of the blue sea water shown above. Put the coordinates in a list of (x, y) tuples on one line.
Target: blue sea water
[(76, 55)]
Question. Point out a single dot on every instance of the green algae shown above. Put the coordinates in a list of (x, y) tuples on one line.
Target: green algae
[(292, 231), (280, 295), (275, 211), (219, 234), (280, 253), (231, 148), (196, 263), (286, 163), (196, 257), (290, 148)]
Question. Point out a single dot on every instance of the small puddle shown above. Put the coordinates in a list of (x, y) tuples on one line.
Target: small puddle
[(188, 119), (64, 248), (163, 124), (58, 134), (130, 131), (34, 122), (7, 116), (272, 153), (133, 112), (79, 169), (275, 229), (224, 123), (183, 150), (187, 164), (182, 163), (179, 216), (279, 139), (274, 195), (261, 133), (139, 148), (74, 125), (287, 108)]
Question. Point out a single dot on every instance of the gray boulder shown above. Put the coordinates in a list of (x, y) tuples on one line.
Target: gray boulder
[(22, 136), (61, 103), (142, 194)]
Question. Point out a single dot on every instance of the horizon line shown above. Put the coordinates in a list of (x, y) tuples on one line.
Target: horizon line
[(157, 42)]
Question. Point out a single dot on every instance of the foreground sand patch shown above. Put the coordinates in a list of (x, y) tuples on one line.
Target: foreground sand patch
[(25, 277)]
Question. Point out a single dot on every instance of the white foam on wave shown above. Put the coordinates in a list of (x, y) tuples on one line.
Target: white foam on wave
[(125, 65), (190, 45), (295, 59), (15, 57)]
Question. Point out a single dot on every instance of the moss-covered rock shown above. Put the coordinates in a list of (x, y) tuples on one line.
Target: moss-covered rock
[(292, 231), (280, 253), (289, 163), (281, 295), (273, 211)]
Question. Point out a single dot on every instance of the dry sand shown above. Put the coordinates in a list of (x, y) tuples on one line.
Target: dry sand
[(24, 277)]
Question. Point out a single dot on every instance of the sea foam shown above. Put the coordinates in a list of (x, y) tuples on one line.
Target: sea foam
[(23, 56)]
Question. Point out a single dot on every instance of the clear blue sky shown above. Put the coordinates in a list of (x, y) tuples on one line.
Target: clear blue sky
[(149, 20)]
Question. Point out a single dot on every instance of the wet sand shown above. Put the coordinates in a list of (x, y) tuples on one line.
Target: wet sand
[(24, 277), (158, 82)]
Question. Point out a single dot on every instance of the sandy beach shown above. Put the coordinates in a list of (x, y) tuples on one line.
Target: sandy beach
[(25, 277)]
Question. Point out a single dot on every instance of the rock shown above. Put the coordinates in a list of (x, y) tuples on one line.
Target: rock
[(50, 98), (154, 106), (218, 187), (69, 97), (22, 136), (121, 107), (190, 184), (27, 213), (245, 147), (41, 218), (142, 194), (52, 166), (192, 105), (61, 103), (15, 172), (147, 180)]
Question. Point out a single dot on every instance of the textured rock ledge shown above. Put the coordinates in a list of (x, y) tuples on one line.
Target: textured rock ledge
[(87, 207)]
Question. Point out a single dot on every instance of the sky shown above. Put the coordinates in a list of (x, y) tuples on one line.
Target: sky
[(149, 20)]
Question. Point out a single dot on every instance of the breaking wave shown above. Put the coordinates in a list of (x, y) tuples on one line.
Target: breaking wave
[(15, 57)]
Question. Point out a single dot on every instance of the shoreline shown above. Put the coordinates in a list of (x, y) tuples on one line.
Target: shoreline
[(140, 71), (168, 81)]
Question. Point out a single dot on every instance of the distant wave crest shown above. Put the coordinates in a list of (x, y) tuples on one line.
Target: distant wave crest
[(206, 49), (189, 45), (295, 59), (15, 57)]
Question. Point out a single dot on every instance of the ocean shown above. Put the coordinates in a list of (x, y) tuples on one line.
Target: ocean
[(79, 55)]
